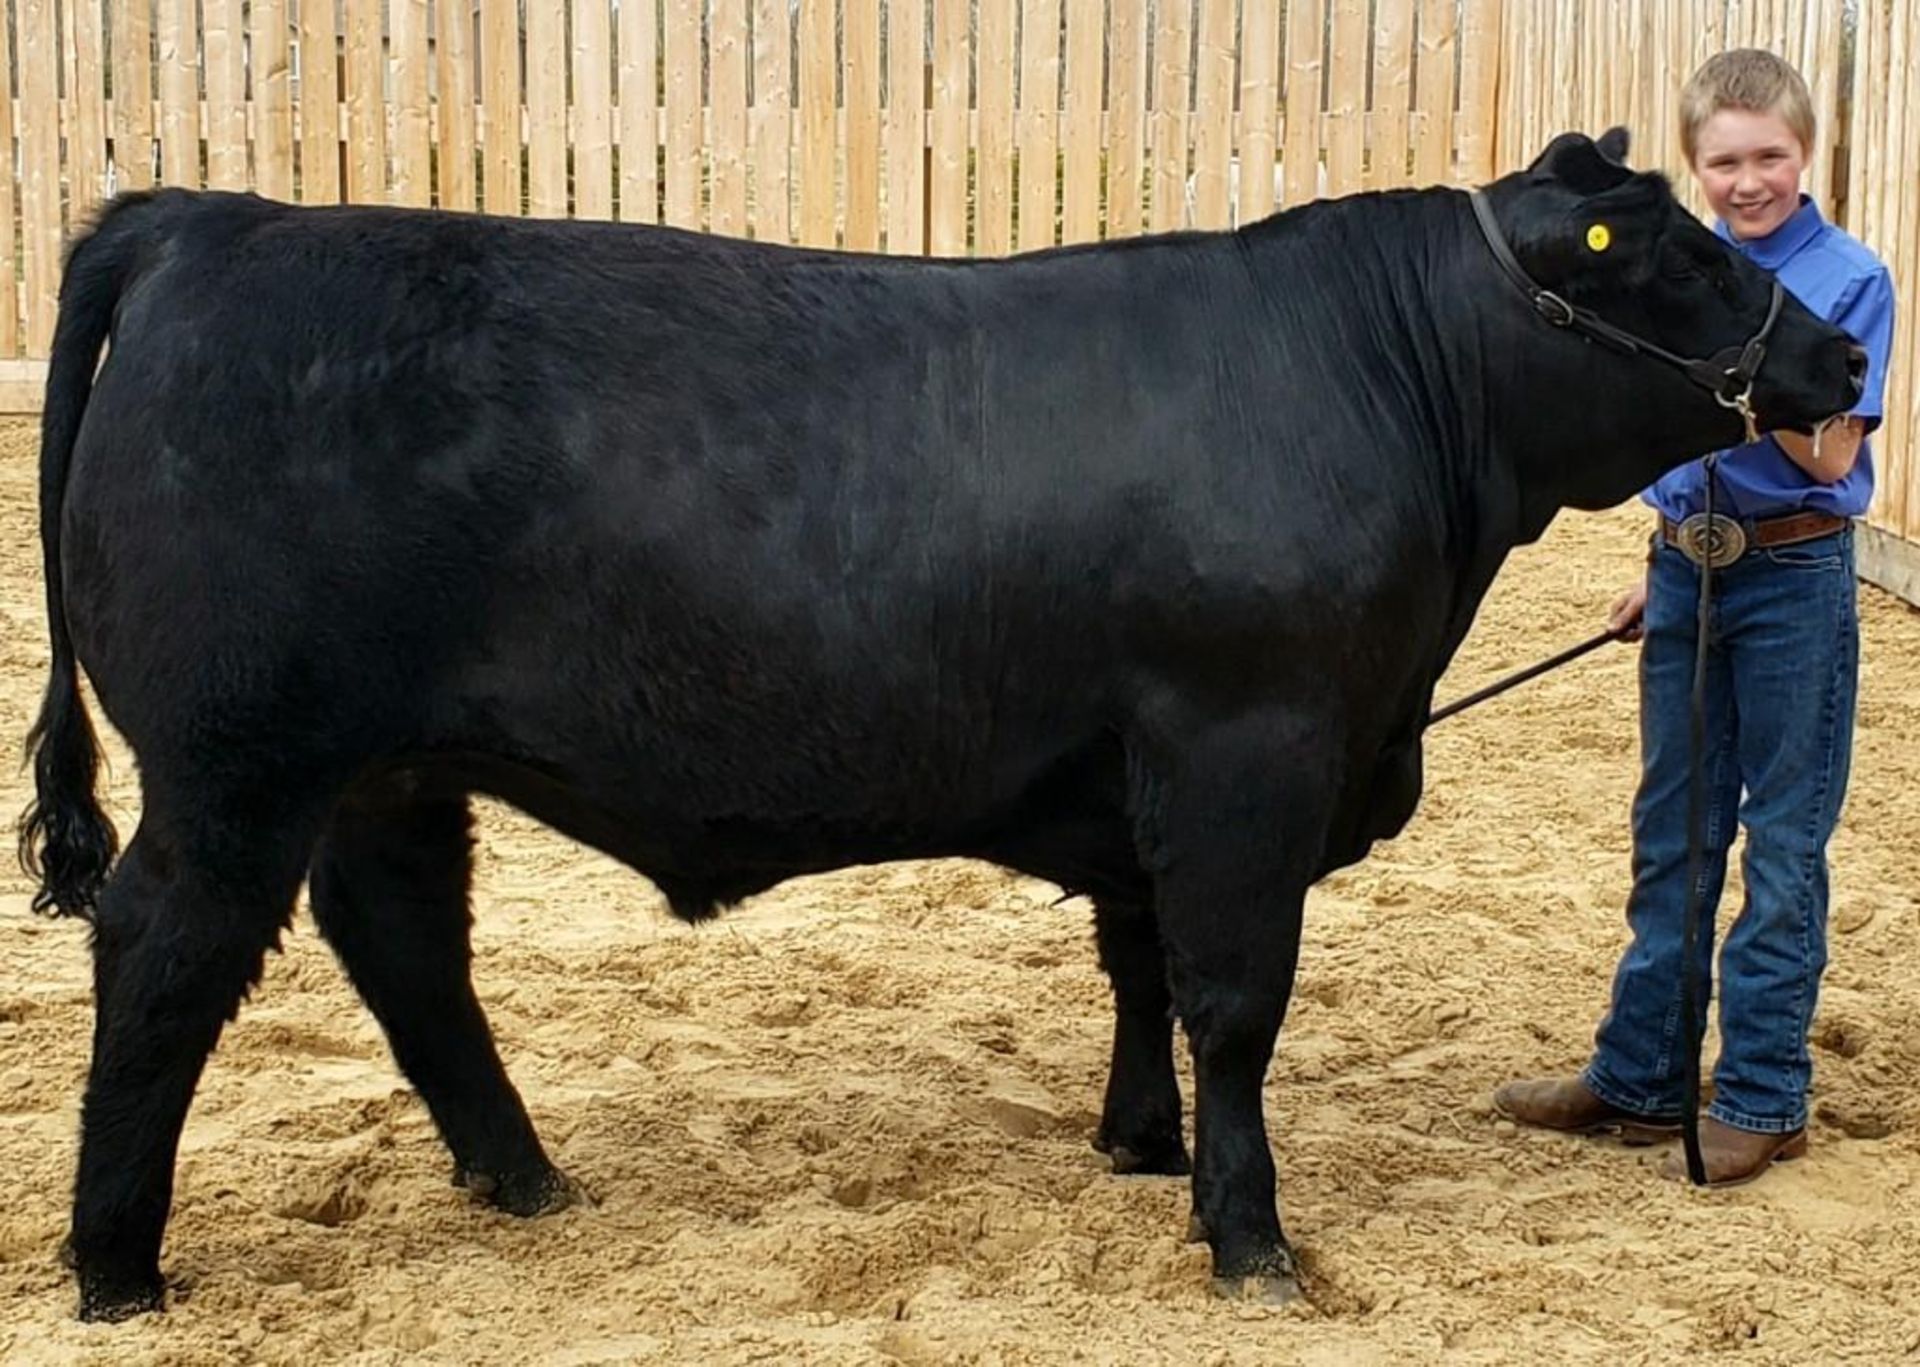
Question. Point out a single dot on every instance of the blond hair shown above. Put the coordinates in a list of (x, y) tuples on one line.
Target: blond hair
[(1751, 79)]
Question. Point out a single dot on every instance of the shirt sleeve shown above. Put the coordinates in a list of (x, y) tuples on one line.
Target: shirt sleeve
[(1865, 310)]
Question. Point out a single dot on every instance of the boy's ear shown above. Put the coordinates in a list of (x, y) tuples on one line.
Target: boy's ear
[(1613, 145)]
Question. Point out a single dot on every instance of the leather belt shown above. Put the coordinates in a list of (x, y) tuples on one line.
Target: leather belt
[(1727, 539)]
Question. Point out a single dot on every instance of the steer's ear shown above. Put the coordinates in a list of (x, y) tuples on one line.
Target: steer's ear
[(1574, 160), (1613, 145)]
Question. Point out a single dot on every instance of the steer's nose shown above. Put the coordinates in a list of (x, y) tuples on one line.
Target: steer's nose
[(1857, 367)]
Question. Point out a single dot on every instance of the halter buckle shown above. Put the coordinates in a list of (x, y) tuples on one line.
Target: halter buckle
[(1553, 308)]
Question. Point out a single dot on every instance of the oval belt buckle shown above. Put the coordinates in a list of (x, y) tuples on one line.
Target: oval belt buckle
[(1717, 545)]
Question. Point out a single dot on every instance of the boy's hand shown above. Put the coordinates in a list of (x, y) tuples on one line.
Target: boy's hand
[(1626, 617)]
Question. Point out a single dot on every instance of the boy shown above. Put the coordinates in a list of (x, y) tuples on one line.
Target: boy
[(1782, 666)]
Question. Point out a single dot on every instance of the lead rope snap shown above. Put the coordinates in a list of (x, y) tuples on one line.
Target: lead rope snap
[(1742, 403)]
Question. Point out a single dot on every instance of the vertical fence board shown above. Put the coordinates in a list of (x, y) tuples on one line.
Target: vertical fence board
[(179, 45), (87, 110), (132, 92), (1259, 110), (592, 137), (1213, 115), (1824, 38), (1306, 24), (727, 57), (1480, 153), (904, 126), (1346, 102), (9, 250), (860, 80), (817, 123), (684, 154), (500, 93), (411, 111), (772, 121), (319, 105), (272, 61), (993, 156), (222, 49), (640, 111), (40, 229), (1085, 80), (1392, 95), (454, 55), (947, 185), (1434, 67), (1037, 123), (546, 38), (1126, 118), (1172, 70), (1901, 501), (366, 81)]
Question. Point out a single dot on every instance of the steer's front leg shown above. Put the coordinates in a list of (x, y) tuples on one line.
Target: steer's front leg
[(1232, 844)]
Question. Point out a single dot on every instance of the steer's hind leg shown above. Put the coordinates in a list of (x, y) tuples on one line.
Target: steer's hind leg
[(1140, 1122), (1231, 822), (389, 890), (179, 936)]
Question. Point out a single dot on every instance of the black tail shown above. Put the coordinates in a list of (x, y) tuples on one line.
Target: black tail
[(66, 842)]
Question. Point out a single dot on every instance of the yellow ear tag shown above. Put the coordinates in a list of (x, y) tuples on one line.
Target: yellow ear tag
[(1598, 238)]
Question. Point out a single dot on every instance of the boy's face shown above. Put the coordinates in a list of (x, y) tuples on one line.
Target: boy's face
[(1749, 165)]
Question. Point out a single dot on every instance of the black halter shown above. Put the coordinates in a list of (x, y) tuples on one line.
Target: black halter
[(1727, 375)]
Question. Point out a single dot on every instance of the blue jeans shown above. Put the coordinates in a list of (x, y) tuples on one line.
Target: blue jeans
[(1782, 672)]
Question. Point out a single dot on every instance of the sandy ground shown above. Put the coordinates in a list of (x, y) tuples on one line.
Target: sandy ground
[(849, 1122)]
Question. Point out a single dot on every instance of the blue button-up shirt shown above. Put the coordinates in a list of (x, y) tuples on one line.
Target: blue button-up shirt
[(1840, 280)]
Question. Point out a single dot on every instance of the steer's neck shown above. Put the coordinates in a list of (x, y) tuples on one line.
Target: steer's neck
[(1422, 324), (1569, 421)]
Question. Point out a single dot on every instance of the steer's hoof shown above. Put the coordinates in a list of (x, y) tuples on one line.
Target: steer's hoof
[(1271, 1277), (539, 1193), (108, 1301), (1263, 1288), (1161, 1154)]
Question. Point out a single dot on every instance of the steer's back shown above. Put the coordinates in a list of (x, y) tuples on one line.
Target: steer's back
[(701, 522)]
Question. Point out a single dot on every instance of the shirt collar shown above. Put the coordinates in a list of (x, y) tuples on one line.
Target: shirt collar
[(1772, 251)]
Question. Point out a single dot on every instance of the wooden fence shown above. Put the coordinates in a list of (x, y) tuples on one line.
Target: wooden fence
[(944, 126)]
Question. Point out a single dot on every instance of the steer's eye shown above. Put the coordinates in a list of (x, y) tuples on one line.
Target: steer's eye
[(1679, 267)]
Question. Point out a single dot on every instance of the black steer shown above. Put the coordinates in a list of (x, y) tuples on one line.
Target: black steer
[(1130, 566)]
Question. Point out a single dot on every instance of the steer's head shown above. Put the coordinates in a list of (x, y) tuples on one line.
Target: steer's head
[(1615, 244)]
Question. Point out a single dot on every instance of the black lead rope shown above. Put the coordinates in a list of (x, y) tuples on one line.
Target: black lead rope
[(1494, 690), (1692, 1013)]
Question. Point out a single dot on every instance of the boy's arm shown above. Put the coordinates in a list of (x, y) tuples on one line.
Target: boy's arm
[(1866, 311), (1833, 457)]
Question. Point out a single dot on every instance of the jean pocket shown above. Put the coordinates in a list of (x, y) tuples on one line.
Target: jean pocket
[(1826, 553)]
